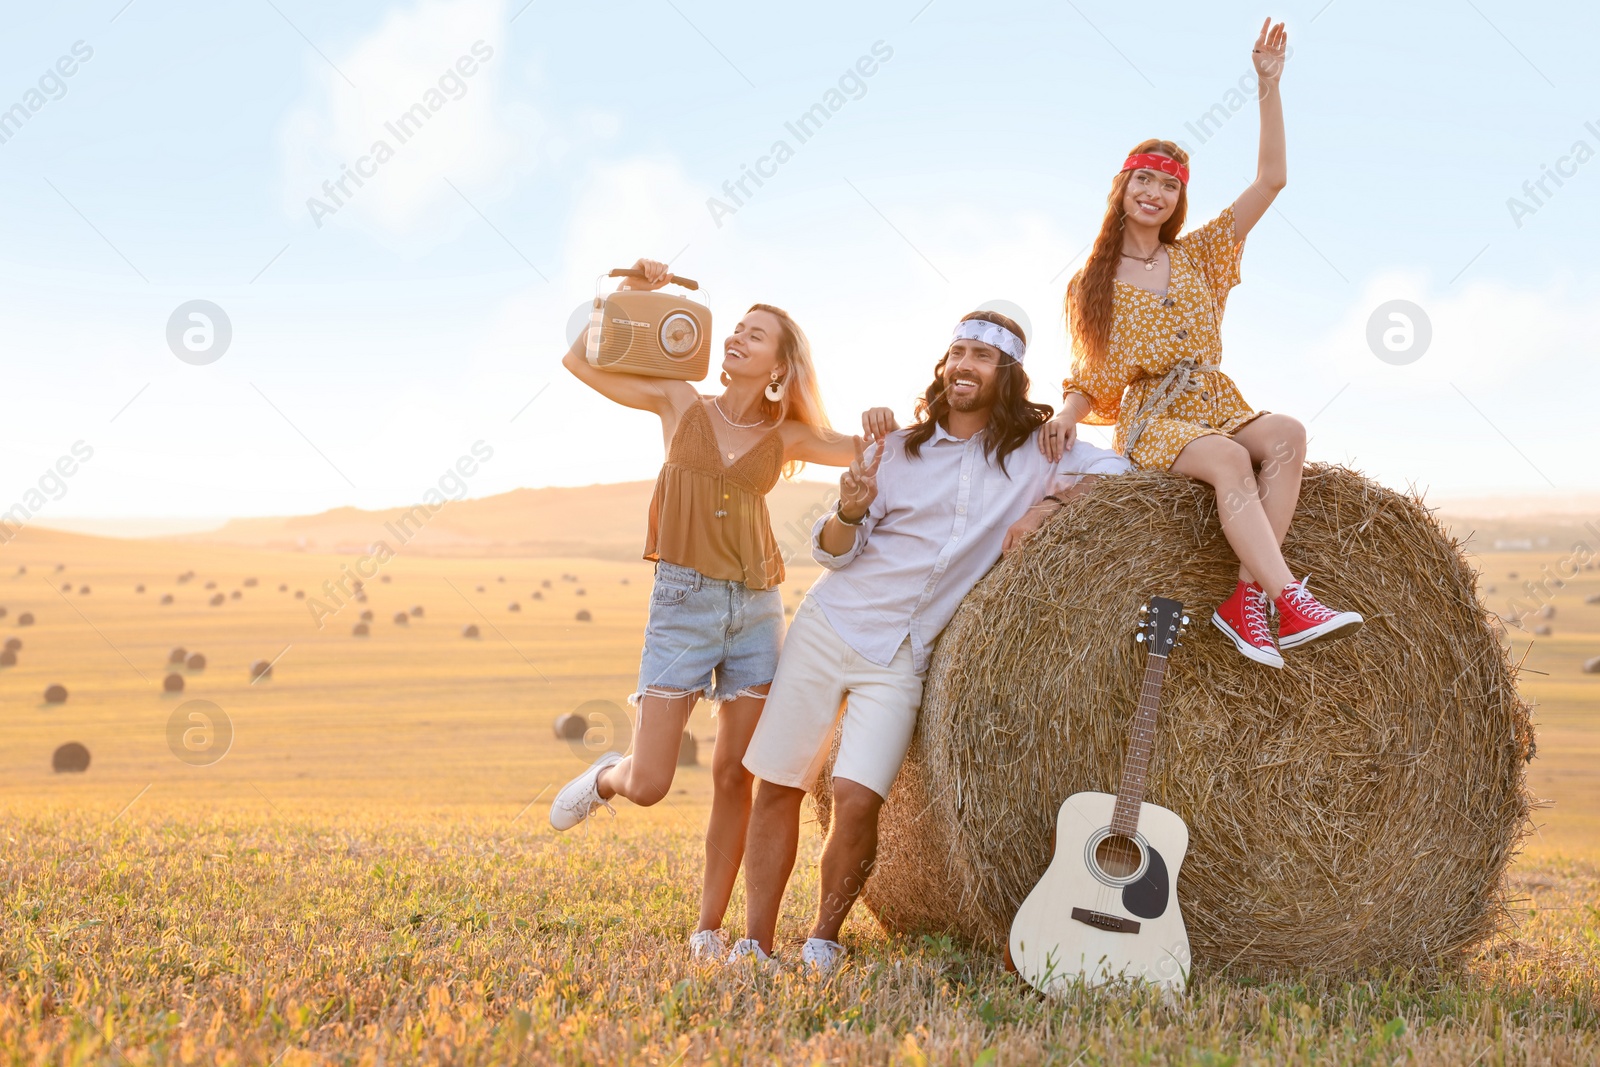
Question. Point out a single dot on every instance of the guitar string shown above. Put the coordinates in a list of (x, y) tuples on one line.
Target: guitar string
[(1136, 769)]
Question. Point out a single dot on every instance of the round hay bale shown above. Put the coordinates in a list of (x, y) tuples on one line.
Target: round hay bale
[(1543, 630), (384, 578), (283, 587), (1547, 612), (581, 592), (366, 616), (236, 595), (60, 567), (501, 578), (584, 616), (13, 644), (25, 619), (2, 612), (217, 600), (178, 655), (66, 587), (513, 606), (8, 657), (250, 583), (688, 751), (570, 727), (402, 619), (624, 581), (537, 595), (416, 611), (172, 683), (260, 669), (480, 588), (56, 694), (545, 584), (195, 662), (361, 598), (70, 758), (211, 585), (1511, 574), (360, 629), (1592, 598), (1592, 665), (83, 590), (299, 594), (1355, 810), (166, 598), (137, 589), (470, 630)]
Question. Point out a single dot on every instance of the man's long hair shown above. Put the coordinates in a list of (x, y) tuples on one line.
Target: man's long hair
[(1013, 416)]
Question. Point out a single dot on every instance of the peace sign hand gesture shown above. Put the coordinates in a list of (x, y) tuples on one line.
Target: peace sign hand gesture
[(1270, 50), (858, 486)]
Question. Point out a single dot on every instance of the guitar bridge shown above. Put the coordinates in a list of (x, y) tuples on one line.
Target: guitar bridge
[(1101, 921)]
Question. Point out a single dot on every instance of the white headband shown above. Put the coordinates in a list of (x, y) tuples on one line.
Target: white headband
[(990, 333)]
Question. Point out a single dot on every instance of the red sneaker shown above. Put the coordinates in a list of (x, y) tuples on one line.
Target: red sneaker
[(1301, 619), (1243, 617)]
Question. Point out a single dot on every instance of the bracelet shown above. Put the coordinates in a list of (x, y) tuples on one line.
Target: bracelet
[(839, 514)]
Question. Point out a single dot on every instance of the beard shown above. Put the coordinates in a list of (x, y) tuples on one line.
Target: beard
[(982, 397)]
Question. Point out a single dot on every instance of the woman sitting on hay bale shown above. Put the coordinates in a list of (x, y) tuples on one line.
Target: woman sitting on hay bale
[(1145, 314)]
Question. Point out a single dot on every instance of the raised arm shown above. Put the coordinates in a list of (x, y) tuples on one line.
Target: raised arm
[(660, 395), (816, 444), (1272, 165)]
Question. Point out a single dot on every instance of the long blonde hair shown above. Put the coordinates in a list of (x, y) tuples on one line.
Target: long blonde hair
[(802, 398)]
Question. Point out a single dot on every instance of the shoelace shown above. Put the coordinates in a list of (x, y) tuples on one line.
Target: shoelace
[(1255, 615), (588, 807), (1301, 600)]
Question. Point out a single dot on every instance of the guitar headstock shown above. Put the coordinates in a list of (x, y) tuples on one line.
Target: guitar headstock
[(1161, 623)]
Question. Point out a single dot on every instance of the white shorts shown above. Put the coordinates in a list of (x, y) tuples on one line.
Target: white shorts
[(816, 673)]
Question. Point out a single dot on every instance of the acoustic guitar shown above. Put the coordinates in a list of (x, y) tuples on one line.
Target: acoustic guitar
[(1107, 906)]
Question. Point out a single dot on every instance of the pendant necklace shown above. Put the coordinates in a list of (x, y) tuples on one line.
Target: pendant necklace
[(1148, 261)]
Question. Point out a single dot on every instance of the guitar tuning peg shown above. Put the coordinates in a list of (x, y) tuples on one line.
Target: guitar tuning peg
[(1144, 609), (1139, 637), (1184, 621)]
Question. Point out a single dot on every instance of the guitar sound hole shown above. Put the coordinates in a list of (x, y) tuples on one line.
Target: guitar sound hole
[(1118, 856)]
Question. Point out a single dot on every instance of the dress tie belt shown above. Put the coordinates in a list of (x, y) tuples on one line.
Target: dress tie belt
[(1184, 377)]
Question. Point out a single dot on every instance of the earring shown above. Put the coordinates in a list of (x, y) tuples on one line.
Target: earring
[(774, 389), (726, 379)]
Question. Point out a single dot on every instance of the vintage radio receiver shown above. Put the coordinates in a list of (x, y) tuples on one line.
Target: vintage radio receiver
[(663, 335)]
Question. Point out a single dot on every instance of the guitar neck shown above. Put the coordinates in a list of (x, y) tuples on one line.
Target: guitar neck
[(1141, 746)]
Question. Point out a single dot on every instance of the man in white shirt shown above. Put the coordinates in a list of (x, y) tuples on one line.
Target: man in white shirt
[(918, 522)]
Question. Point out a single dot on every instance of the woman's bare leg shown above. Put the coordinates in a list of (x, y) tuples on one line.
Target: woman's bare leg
[(730, 804), (1277, 447), (645, 775), (1226, 466)]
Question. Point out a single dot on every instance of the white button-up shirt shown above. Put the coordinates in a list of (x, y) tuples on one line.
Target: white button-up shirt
[(935, 528)]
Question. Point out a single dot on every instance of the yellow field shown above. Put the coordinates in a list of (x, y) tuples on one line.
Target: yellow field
[(367, 875)]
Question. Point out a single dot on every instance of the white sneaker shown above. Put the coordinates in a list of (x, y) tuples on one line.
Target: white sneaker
[(821, 955), (580, 797), (748, 950), (708, 945)]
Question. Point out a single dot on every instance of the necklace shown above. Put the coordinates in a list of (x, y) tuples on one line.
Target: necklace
[(1148, 261), (717, 402)]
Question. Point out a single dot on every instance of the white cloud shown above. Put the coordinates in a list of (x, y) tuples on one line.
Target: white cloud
[(441, 62)]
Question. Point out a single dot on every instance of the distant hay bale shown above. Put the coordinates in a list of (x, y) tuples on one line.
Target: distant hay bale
[(584, 616), (1547, 612), (402, 619), (260, 669), (66, 587), (8, 657), (501, 578), (366, 615), (688, 750), (211, 585), (70, 758), (299, 594), (55, 694), (570, 727), (537, 595), (1592, 598), (360, 629), (13, 644), (283, 587), (545, 584), (60, 567), (1355, 810), (137, 589), (581, 592), (195, 662), (1511, 574), (25, 619), (513, 606), (470, 630), (166, 598), (416, 611), (384, 578), (83, 590), (236, 595), (173, 683), (624, 581), (1592, 666), (2, 612), (250, 583), (1543, 630), (217, 600)]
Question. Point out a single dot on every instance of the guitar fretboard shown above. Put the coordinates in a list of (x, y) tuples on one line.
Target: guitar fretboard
[(1141, 746)]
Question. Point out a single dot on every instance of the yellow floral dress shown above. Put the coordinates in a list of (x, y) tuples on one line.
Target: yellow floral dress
[(1160, 383)]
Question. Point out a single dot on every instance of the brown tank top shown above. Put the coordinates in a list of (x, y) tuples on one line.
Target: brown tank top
[(712, 516)]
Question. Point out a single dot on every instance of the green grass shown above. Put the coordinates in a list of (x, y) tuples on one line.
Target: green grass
[(417, 936)]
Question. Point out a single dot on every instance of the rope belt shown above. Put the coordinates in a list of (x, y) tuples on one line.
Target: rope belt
[(1184, 377)]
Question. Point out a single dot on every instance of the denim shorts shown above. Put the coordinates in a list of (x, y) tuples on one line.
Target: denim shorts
[(708, 636)]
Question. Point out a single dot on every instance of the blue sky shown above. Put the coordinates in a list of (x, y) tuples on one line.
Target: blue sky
[(373, 345)]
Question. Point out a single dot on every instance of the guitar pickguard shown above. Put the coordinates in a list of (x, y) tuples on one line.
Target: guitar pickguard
[(1147, 898)]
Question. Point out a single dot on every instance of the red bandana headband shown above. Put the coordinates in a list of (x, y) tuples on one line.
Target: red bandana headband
[(1151, 161)]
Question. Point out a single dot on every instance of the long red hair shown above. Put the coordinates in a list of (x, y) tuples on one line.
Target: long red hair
[(1091, 295)]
